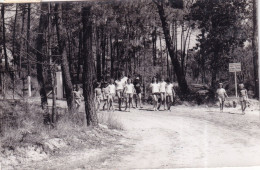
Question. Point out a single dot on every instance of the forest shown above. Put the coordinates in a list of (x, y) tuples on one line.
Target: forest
[(189, 41)]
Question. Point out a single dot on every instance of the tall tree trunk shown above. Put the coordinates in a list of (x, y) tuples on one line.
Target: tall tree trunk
[(111, 57), (214, 70), (154, 38), (79, 55), (161, 53), (43, 23), (88, 78), (98, 55), (14, 34), (22, 43), (103, 48), (28, 49), (4, 41), (61, 37), (255, 50), (177, 68)]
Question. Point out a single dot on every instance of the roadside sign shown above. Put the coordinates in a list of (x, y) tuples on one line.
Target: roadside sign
[(234, 67)]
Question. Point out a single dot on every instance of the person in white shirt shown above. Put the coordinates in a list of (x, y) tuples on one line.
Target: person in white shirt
[(221, 94), (162, 93), (129, 90), (120, 84), (112, 94), (119, 91), (105, 92), (170, 94), (155, 87)]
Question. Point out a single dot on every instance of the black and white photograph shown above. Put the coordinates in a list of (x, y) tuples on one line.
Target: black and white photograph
[(129, 84)]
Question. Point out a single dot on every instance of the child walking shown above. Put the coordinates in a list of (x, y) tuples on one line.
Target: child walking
[(170, 94), (243, 96), (155, 92), (129, 91), (112, 94), (137, 85), (105, 92), (222, 95), (162, 89), (78, 97), (98, 95), (119, 91)]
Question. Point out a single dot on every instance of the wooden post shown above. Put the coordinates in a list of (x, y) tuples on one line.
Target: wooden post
[(29, 86), (3, 85), (236, 82), (13, 83)]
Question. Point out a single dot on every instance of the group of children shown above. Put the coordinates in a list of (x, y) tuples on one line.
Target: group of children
[(222, 95), (125, 89), (164, 90)]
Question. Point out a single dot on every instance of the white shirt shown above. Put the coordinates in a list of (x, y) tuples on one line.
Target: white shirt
[(112, 88), (119, 85), (155, 87), (162, 86), (221, 92), (129, 88), (169, 88), (124, 80)]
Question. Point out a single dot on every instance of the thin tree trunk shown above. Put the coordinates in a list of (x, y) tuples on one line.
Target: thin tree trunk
[(43, 23), (28, 49), (61, 37), (103, 48), (161, 54), (14, 34), (79, 55), (154, 46), (88, 78), (255, 50), (111, 57), (4, 41), (99, 71)]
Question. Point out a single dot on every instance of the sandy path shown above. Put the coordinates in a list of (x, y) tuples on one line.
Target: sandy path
[(170, 140), (185, 137)]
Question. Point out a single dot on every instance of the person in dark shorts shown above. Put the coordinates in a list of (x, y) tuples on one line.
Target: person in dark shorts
[(105, 92), (222, 95), (78, 97), (138, 90), (243, 97), (155, 87), (98, 95)]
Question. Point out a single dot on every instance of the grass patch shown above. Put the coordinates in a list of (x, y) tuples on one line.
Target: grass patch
[(111, 120)]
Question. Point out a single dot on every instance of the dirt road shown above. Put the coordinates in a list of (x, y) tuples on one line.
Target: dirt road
[(188, 137), (185, 137)]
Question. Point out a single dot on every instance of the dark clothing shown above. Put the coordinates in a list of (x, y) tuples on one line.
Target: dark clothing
[(137, 85)]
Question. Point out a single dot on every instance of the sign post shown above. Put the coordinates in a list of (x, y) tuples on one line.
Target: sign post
[(235, 67)]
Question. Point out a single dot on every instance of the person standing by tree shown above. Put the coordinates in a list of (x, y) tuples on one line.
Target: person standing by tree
[(221, 94), (119, 91), (170, 94), (243, 97), (155, 86), (162, 84), (137, 85), (129, 91), (78, 97), (105, 92), (98, 95), (112, 94)]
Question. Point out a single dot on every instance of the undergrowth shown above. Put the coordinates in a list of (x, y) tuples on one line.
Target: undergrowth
[(111, 120), (21, 124)]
